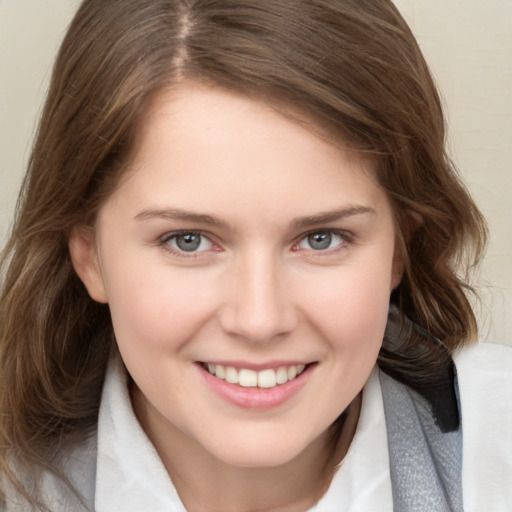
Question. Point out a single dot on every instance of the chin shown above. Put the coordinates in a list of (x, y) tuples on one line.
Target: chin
[(251, 454), (258, 460)]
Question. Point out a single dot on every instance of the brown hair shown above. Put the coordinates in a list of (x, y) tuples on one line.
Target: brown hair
[(352, 66)]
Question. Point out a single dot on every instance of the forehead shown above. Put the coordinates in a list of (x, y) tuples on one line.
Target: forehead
[(199, 144)]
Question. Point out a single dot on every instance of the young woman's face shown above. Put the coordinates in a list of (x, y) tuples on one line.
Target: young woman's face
[(239, 251)]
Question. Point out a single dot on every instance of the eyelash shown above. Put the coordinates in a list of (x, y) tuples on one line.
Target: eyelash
[(346, 237)]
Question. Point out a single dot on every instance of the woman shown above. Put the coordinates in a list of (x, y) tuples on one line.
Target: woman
[(234, 282)]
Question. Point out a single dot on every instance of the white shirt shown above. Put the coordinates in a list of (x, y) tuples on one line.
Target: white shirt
[(128, 475), (485, 384), (131, 477), (362, 482)]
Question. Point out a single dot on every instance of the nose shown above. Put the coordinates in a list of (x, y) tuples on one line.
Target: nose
[(259, 307)]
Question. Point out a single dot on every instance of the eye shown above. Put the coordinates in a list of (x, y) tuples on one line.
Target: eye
[(187, 241), (323, 240)]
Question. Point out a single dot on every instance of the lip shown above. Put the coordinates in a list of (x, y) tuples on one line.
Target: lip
[(274, 365), (255, 398)]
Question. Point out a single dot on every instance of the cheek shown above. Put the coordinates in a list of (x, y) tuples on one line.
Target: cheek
[(350, 308), (350, 314), (156, 308)]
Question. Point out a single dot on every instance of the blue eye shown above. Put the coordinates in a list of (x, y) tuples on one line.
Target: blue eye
[(189, 241), (322, 240)]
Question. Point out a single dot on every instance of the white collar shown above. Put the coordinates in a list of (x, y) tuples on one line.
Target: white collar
[(129, 473), (484, 372), (363, 480), (131, 477)]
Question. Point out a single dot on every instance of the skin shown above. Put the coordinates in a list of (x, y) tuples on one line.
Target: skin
[(255, 291)]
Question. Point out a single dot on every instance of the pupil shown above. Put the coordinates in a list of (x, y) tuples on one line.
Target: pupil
[(188, 242), (319, 241)]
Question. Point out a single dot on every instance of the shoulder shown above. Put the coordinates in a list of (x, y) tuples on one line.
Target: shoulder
[(78, 467), (484, 358), (484, 374)]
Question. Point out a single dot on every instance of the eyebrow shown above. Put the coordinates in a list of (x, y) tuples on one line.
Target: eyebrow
[(331, 216), (177, 214)]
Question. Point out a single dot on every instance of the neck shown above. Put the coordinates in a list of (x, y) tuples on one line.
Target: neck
[(207, 484)]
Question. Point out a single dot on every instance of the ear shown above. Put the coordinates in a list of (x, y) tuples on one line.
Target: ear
[(82, 249)]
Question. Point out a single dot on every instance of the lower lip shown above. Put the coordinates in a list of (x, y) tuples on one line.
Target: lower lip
[(253, 397)]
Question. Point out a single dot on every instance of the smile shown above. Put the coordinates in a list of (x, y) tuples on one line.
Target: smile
[(247, 378), (258, 387)]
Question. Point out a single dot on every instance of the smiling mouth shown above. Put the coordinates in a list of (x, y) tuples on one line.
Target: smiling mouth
[(247, 378)]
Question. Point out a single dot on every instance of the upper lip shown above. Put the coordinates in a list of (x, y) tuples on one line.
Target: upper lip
[(256, 366)]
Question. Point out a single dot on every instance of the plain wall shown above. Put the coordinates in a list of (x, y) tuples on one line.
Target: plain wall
[(468, 44)]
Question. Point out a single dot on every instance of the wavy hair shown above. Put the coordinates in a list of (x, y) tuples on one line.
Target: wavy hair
[(353, 67)]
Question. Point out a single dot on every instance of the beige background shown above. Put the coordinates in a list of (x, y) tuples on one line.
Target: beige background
[(468, 44)]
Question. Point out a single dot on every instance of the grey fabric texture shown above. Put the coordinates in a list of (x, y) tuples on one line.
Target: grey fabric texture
[(425, 463)]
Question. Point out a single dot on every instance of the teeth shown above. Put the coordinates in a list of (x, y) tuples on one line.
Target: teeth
[(282, 375), (231, 375), (247, 378), (267, 379), (220, 371)]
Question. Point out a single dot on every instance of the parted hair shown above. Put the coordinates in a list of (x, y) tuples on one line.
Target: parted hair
[(351, 67)]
